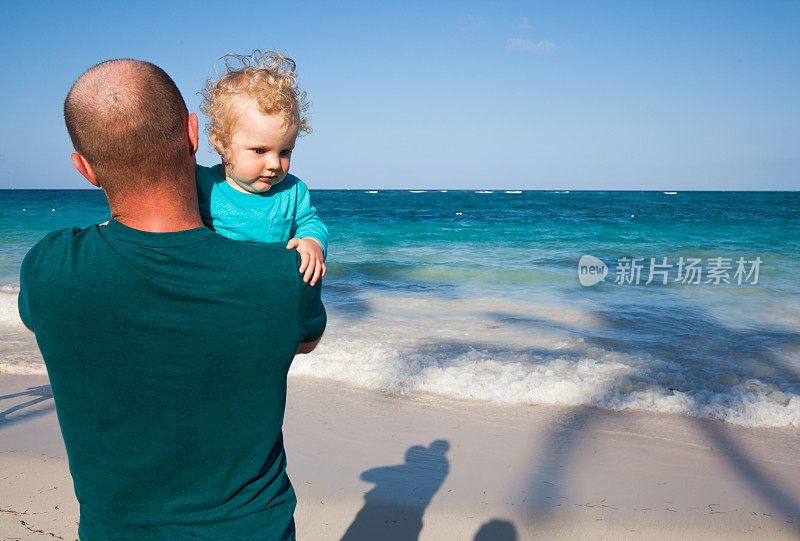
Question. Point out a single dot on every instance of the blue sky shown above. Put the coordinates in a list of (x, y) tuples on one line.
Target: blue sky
[(519, 95)]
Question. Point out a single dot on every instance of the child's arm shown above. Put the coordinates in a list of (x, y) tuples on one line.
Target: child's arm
[(310, 236), (306, 221)]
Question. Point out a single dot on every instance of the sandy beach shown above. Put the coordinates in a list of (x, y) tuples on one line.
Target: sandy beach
[(371, 465)]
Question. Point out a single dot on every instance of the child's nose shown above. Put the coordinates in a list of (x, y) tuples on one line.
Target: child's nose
[(273, 162)]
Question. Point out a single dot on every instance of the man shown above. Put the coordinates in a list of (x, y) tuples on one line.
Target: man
[(167, 345)]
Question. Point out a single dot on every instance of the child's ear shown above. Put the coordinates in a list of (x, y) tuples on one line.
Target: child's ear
[(215, 142)]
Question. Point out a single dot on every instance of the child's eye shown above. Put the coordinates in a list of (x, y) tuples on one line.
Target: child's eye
[(286, 153), (259, 150)]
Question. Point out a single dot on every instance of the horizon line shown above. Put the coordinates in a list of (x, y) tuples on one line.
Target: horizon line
[(484, 190)]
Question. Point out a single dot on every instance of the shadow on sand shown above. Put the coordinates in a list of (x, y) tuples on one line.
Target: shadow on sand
[(678, 329), (393, 509), (39, 394), (497, 530)]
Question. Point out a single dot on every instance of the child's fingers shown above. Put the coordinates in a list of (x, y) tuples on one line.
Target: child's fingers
[(292, 244), (317, 273), (310, 270), (320, 273), (304, 261), (317, 270)]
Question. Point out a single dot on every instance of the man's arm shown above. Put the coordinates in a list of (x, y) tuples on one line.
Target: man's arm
[(307, 347), (23, 302), (312, 316)]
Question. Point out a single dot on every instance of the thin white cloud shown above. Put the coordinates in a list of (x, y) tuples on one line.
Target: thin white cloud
[(524, 45), (524, 25), (468, 23)]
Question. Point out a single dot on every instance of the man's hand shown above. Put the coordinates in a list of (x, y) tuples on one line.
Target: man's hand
[(307, 347), (312, 263)]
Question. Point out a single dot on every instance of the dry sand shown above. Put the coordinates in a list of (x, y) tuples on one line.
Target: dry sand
[(441, 469)]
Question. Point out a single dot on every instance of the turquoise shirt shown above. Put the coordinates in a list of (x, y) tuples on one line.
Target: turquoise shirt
[(282, 213)]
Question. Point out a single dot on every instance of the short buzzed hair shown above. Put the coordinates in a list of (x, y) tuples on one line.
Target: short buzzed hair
[(128, 119)]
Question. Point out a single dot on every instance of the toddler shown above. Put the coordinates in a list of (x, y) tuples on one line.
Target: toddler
[(255, 112)]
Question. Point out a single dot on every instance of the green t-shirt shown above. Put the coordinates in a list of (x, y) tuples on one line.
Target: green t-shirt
[(167, 355)]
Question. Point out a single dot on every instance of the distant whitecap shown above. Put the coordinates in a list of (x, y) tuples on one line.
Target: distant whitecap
[(513, 191)]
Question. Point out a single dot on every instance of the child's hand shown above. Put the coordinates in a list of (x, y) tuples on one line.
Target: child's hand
[(312, 261)]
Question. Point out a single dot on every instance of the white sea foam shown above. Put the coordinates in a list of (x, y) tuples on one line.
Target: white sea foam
[(9, 312), (513, 191), (23, 368), (599, 378), (484, 191), (505, 351), (19, 353), (417, 191), (371, 191)]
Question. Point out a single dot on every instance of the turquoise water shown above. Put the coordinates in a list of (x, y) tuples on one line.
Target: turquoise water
[(476, 295)]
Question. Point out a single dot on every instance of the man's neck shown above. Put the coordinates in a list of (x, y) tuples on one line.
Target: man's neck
[(157, 213)]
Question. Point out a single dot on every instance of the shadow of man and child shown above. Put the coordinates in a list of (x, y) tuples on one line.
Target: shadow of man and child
[(393, 509)]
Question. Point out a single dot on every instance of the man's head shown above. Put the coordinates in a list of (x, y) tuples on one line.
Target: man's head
[(130, 128)]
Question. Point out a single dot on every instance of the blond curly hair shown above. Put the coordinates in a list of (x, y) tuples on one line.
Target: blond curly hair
[(267, 78)]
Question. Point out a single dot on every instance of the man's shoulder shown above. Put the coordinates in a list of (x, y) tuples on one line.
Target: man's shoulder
[(58, 239), (251, 255), (48, 256), (66, 234)]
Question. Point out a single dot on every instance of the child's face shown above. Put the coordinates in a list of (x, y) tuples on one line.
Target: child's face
[(260, 150)]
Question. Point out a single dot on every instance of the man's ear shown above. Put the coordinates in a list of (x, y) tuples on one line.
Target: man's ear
[(84, 168), (193, 131)]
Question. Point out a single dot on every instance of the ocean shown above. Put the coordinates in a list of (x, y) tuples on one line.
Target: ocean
[(684, 302)]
